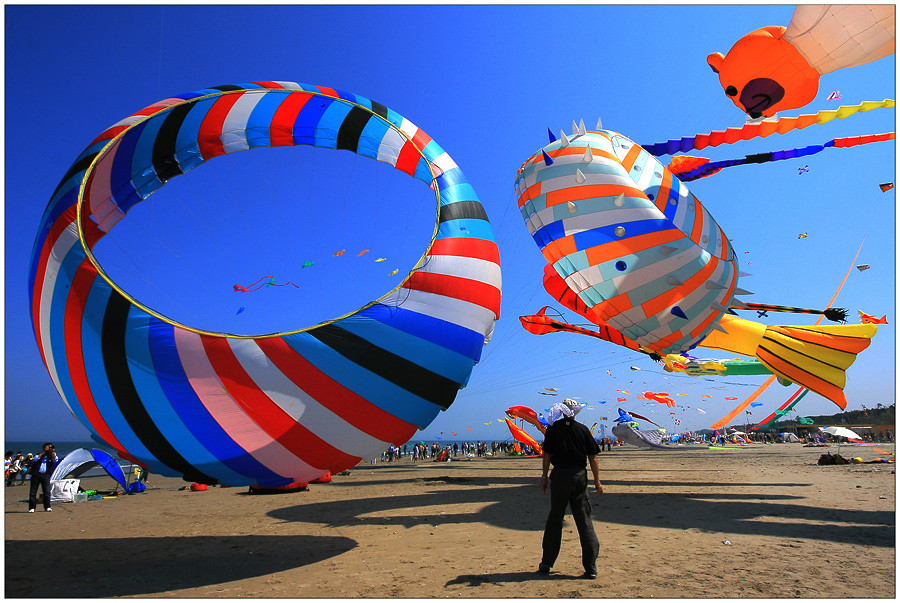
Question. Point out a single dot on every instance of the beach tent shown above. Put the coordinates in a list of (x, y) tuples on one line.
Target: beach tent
[(789, 437), (77, 462)]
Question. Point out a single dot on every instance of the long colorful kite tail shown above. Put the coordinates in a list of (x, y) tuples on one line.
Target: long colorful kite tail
[(695, 168), (759, 129)]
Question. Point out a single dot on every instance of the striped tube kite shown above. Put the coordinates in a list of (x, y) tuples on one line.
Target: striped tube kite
[(270, 409), (776, 68), (631, 249)]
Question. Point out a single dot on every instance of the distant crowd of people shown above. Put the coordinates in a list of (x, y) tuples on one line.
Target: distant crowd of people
[(421, 452)]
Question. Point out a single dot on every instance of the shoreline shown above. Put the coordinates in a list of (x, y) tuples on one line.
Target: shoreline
[(472, 528)]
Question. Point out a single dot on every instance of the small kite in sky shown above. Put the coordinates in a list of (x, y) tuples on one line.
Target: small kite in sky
[(868, 318), (489, 422), (339, 252), (260, 284), (762, 313), (362, 252), (307, 264), (886, 186), (802, 235), (241, 309), (394, 271), (634, 368), (834, 95), (380, 259), (862, 267), (805, 168), (730, 398), (755, 404)]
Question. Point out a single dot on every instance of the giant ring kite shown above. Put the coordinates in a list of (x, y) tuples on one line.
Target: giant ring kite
[(264, 409)]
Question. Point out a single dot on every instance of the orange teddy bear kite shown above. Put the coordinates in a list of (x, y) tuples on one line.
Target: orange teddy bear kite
[(776, 68)]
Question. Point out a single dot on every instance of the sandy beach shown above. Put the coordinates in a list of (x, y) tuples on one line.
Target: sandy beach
[(471, 528)]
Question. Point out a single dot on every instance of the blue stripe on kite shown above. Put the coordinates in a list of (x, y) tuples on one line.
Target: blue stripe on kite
[(458, 192), (67, 269), (464, 227), (260, 120), (330, 123), (426, 354), (548, 233), (143, 174), (394, 117), (451, 178), (92, 352), (177, 388), (353, 98), (308, 120), (187, 145), (377, 390), (441, 332), (432, 150), (605, 234), (423, 170), (371, 137), (120, 181), (159, 408)]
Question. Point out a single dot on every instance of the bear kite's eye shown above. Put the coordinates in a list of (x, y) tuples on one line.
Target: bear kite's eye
[(730, 90)]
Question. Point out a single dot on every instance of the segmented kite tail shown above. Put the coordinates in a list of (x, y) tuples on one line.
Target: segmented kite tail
[(815, 356), (832, 314), (707, 169), (759, 129)]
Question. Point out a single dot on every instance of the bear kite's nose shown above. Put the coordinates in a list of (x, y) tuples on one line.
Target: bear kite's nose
[(760, 94), (731, 91)]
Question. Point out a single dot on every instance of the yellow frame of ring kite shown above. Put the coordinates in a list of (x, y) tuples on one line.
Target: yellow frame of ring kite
[(162, 317)]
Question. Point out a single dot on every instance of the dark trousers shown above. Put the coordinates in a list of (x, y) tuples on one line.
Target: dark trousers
[(568, 487), (42, 480)]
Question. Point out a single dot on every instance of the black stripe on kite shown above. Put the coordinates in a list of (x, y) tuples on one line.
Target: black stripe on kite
[(463, 209), (379, 109), (389, 366), (351, 129), (227, 87), (164, 146), (119, 375), (79, 166)]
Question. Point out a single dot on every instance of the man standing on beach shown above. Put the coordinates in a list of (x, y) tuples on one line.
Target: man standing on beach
[(569, 446), (41, 469)]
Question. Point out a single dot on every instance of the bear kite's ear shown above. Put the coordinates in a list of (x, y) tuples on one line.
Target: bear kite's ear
[(715, 61)]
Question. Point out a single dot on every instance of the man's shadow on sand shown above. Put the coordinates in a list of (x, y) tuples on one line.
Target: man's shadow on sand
[(523, 507)]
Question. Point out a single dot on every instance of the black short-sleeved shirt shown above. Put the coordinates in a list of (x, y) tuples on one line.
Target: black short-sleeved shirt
[(570, 443)]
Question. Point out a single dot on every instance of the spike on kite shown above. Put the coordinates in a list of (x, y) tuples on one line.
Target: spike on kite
[(564, 140), (550, 134), (581, 129), (588, 156), (571, 207), (547, 160), (677, 311), (599, 125), (579, 176)]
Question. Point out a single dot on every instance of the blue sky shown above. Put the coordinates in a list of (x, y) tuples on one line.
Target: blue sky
[(485, 82)]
